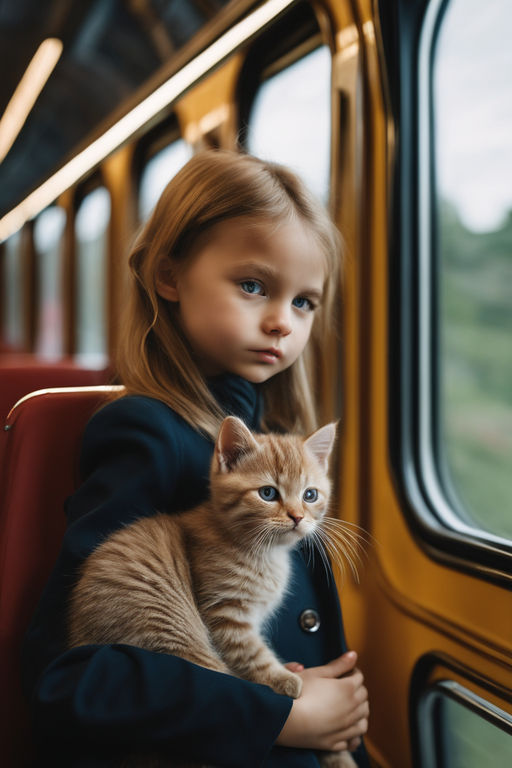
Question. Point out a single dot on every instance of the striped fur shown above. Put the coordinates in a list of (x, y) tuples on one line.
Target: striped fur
[(202, 584)]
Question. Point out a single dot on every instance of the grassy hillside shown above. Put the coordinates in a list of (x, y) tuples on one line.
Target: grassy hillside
[(476, 367)]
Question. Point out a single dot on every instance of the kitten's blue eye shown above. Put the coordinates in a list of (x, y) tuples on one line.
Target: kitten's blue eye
[(310, 494), (252, 287), (268, 493)]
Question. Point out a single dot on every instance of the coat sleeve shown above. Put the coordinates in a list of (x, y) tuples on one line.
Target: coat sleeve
[(119, 698)]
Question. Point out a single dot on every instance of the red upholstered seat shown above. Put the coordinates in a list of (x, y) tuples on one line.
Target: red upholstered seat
[(41, 445), (21, 374)]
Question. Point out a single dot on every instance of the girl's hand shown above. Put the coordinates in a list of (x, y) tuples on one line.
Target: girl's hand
[(332, 710)]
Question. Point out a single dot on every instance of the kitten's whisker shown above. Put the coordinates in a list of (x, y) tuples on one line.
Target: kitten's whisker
[(354, 541), (338, 557), (351, 555), (306, 548), (259, 544), (317, 539), (350, 528), (358, 531), (353, 546), (261, 535), (262, 541), (344, 548), (311, 550), (331, 552), (347, 534)]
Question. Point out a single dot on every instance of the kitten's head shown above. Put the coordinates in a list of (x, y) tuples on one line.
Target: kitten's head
[(271, 489)]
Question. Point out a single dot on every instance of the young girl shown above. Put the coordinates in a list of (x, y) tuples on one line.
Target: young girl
[(233, 274)]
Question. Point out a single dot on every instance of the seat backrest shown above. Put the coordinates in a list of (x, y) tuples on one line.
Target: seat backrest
[(21, 374), (42, 437)]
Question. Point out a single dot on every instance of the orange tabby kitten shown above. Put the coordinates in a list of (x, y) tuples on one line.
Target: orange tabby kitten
[(201, 585)]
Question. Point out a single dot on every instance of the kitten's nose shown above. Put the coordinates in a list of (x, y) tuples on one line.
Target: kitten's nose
[(295, 516)]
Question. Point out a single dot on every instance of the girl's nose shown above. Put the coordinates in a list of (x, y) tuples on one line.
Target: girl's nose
[(277, 323)]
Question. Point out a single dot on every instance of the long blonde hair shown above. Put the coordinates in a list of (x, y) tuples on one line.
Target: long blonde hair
[(154, 357)]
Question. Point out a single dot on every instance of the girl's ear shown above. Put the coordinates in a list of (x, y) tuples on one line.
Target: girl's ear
[(234, 440), (320, 443), (166, 283)]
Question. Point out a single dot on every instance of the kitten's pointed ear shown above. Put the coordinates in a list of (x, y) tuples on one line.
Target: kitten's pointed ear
[(320, 443), (233, 441)]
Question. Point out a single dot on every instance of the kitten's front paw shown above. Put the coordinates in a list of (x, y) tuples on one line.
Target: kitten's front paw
[(337, 760), (289, 684)]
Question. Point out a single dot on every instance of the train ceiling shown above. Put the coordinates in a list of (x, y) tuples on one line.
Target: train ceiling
[(111, 49)]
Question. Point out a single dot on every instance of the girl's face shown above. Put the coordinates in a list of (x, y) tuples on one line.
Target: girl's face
[(247, 296)]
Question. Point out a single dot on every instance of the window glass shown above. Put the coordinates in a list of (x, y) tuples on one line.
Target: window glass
[(473, 167), (158, 172), (91, 231), (48, 240), (459, 729), (290, 120), (13, 299), (470, 741)]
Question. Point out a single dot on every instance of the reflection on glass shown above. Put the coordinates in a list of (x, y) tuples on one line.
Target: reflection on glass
[(158, 172), (12, 300), (473, 164), (91, 230), (48, 234), (469, 741), (290, 121)]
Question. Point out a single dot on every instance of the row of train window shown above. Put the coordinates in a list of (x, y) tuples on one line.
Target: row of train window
[(470, 115), (305, 119)]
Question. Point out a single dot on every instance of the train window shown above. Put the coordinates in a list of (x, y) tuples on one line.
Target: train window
[(158, 171), (459, 729), (92, 242), (290, 119), (13, 321), (472, 101), (48, 243)]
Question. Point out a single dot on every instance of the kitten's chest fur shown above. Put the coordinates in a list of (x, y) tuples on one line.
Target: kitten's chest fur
[(231, 578)]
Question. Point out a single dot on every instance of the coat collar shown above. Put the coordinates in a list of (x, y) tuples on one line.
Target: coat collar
[(238, 397)]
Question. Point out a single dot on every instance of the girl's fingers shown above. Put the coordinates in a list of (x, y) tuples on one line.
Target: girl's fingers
[(358, 716), (355, 731), (363, 711), (338, 667), (349, 746), (356, 681), (354, 743), (355, 727), (361, 694), (294, 666), (339, 746)]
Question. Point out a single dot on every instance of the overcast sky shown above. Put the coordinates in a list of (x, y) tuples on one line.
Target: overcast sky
[(473, 110)]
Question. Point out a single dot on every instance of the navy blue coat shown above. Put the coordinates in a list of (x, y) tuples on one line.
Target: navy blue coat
[(93, 703)]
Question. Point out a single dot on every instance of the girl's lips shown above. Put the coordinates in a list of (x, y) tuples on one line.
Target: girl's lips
[(270, 355)]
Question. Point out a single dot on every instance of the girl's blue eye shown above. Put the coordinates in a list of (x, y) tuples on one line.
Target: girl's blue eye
[(310, 495), (268, 493), (301, 302), (251, 286)]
